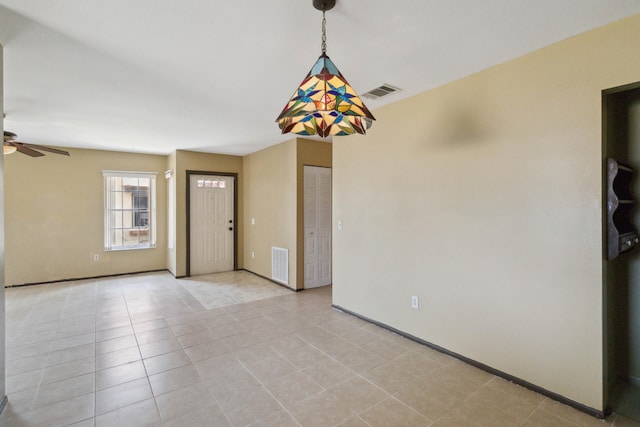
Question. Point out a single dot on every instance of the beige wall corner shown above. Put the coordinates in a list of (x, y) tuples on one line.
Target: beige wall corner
[(170, 177), (483, 198), (270, 208)]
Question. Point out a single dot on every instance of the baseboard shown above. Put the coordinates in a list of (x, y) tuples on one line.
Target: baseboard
[(271, 280), (559, 398), (73, 279)]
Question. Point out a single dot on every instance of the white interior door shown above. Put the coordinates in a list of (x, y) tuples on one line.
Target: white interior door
[(211, 224), (317, 226)]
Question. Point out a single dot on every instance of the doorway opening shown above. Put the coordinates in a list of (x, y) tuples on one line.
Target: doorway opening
[(621, 294), (212, 234)]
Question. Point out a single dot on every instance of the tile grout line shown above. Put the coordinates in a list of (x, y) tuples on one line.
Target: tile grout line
[(348, 368), (532, 412), (135, 336), (95, 355), (264, 387)]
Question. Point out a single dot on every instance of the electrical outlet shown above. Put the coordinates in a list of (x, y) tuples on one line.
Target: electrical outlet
[(96, 257), (415, 302), (253, 221), (253, 254)]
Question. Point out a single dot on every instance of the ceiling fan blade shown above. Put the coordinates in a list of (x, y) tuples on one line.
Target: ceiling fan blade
[(9, 136), (48, 149), (26, 150)]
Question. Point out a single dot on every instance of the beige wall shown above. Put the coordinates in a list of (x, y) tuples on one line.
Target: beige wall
[(270, 198), (203, 162), (274, 198), (483, 198), (2, 281), (309, 153), (55, 217)]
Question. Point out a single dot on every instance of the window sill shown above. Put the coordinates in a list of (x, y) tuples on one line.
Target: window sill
[(129, 248)]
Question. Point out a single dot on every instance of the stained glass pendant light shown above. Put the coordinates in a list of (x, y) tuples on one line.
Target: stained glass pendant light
[(325, 104)]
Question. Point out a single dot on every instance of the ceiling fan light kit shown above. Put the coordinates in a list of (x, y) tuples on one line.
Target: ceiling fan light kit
[(325, 104), (8, 149), (33, 150)]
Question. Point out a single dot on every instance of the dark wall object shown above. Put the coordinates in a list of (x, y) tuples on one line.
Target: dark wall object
[(621, 233)]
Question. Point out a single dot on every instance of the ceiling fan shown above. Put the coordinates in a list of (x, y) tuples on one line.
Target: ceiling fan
[(33, 150)]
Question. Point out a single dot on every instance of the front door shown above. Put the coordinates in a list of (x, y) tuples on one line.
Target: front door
[(211, 224), (317, 226)]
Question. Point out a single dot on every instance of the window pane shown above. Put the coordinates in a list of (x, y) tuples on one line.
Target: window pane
[(130, 212), (141, 218), (141, 200)]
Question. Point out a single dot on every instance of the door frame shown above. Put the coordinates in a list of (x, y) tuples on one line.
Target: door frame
[(235, 214), (608, 345)]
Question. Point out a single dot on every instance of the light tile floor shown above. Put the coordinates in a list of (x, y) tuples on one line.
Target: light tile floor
[(150, 350)]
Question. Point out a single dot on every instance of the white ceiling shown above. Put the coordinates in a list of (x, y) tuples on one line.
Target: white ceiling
[(154, 76)]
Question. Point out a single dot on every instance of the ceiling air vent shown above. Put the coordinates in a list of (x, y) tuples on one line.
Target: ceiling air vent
[(379, 92)]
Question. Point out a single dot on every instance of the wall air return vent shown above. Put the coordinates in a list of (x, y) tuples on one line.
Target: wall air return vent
[(380, 91), (280, 265)]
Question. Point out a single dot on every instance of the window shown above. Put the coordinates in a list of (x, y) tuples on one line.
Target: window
[(129, 210), (212, 183)]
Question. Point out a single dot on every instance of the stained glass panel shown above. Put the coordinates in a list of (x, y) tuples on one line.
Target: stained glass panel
[(325, 105)]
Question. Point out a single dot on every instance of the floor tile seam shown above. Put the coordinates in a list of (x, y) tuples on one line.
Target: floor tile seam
[(60, 401), (37, 390), (393, 396), (69, 349), (95, 366), (538, 407), (431, 374), (518, 400), (215, 399), (9, 360), (357, 374), (266, 389), (39, 382), (450, 410), (10, 347), (95, 410), (178, 418), (155, 403), (95, 415), (387, 394), (66, 300), (363, 420), (86, 419), (558, 415), (73, 334), (81, 359)]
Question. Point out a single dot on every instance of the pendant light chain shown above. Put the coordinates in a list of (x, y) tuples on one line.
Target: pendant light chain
[(324, 34)]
